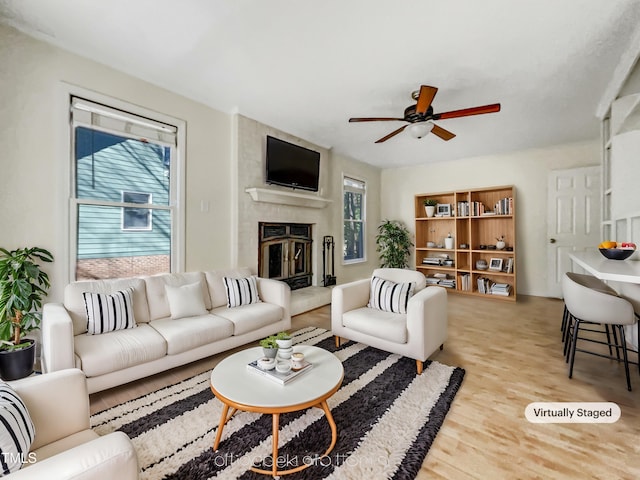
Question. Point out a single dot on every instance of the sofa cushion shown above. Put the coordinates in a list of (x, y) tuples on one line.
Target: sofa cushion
[(185, 300), (100, 354), (377, 323), (157, 293), (241, 291), (109, 312), (390, 296), (192, 332), (74, 301), (215, 283), (16, 431), (250, 317)]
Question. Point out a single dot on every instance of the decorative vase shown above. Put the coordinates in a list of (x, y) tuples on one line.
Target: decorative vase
[(430, 210), (448, 242), (500, 245)]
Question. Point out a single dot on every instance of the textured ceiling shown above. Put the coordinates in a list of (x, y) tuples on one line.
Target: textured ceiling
[(305, 66)]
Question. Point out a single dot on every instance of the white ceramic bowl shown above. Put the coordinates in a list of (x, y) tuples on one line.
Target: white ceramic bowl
[(266, 363), (285, 352), (283, 366)]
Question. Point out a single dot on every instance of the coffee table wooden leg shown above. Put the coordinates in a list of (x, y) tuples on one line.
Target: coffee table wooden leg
[(223, 420), (332, 424), (274, 453)]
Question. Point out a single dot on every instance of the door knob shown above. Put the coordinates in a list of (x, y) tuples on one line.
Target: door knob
[(552, 240)]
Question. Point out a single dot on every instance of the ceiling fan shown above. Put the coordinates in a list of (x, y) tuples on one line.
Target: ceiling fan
[(420, 116)]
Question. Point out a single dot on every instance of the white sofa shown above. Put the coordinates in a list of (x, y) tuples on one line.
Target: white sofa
[(64, 446), (415, 334), (158, 342)]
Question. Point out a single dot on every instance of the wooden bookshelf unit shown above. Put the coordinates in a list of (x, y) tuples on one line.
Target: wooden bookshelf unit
[(478, 218)]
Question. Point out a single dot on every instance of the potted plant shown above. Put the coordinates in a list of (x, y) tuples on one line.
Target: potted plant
[(393, 244), (430, 207), (23, 286), (269, 346), (284, 340)]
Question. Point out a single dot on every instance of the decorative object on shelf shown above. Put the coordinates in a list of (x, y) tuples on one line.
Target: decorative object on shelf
[(328, 272), (269, 346), (448, 242), (431, 245), (393, 244), (430, 207), (443, 210), (481, 265), (495, 264), (23, 287), (464, 246), (500, 244)]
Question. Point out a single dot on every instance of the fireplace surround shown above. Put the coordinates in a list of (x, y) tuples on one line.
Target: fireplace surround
[(284, 253)]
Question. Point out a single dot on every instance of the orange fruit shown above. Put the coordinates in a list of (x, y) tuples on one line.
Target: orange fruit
[(607, 244)]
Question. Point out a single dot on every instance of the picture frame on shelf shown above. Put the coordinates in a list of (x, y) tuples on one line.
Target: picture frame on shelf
[(495, 264), (443, 210)]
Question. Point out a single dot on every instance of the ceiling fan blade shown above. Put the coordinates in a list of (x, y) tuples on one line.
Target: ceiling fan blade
[(425, 98), (374, 119), (392, 134), (466, 112), (442, 133)]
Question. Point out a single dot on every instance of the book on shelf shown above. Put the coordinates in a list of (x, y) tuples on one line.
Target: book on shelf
[(500, 289), (278, 377)]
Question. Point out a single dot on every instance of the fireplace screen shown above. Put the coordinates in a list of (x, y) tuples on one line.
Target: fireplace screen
[(285, 253)]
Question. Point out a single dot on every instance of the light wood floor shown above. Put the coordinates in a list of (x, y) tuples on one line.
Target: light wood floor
[(512, 354)]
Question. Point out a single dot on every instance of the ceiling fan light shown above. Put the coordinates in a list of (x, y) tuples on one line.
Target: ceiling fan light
[(420, 129)]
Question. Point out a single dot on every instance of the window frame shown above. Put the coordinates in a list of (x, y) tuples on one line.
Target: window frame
[(177, 200), (363, 221)]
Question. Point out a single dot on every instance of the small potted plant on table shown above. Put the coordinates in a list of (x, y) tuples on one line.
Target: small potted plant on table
[(23, 286), (269, 346), (284, 340)]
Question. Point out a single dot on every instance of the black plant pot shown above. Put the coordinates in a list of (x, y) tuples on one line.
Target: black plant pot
[(18, 363)]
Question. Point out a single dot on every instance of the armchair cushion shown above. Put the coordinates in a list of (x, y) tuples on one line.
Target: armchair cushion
[(16, 431), (389, 296), (377, 323)]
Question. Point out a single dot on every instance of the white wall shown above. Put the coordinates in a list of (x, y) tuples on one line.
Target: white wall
[(34, 165), (526, 170)]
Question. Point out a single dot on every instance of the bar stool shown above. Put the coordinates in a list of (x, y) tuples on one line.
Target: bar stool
[(631, 293), (590, 305), (595, 284)]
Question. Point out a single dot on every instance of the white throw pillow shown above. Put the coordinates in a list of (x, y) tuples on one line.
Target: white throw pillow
[(185, 300), (16, 431), (389, 296), (109, 312), (241, 291)]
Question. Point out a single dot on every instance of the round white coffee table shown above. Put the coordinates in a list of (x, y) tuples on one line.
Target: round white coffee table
[(240, 389)]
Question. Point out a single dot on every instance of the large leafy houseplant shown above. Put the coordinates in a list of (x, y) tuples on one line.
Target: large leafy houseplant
[(393, 244), (23, 286)]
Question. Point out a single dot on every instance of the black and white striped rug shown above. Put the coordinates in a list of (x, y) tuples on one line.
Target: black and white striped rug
[(387, 418)]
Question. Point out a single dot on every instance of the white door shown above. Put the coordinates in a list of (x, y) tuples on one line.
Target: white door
[(573, 220)]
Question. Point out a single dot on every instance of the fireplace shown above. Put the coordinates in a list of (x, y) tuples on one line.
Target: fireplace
[(284, 253)]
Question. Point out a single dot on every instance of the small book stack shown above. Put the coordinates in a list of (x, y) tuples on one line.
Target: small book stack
[(500, 289)]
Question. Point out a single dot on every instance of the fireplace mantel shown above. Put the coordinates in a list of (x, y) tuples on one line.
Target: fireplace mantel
[(281, 197)]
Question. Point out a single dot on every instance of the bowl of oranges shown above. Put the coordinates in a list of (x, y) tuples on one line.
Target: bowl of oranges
[(617, 250)]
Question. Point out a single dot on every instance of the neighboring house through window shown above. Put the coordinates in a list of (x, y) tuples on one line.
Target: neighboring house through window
[(354, 220), (124, 205)]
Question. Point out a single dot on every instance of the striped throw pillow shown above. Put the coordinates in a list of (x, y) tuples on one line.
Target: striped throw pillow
[(389, 296), (16, 431), (241, 291), (109, 312)]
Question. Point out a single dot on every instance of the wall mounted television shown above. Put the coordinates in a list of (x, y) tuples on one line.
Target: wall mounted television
[(291, 165)]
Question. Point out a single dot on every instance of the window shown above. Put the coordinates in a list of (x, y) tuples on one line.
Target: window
[(136, 218), (124, 204), (354, 220)]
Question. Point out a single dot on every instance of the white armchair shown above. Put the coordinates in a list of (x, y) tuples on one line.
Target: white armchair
[(415, 334), (65, 447)]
